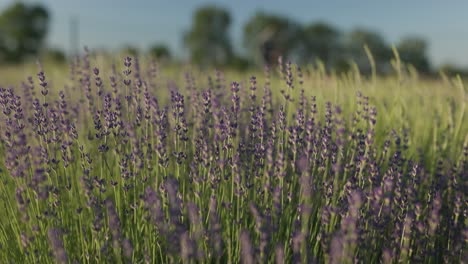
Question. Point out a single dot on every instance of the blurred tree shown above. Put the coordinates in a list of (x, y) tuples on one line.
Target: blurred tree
[(453, 70), (160, 52), (413, 50), (267, 37), (381, 53), (239, 63), (55, 55), (130, 50), (341, 64), (22, 31), (208, 40), (323, 42)]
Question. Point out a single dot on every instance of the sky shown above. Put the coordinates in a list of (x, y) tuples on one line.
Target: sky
[(112, 24)]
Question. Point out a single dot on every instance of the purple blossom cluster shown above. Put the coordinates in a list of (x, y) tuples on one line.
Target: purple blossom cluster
[(130, 167)]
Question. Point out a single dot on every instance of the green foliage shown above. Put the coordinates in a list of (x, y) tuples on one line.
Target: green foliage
[(267, 37), (453, 70), (208, 40), (413, 50), (55, 55), (160, 52), (129, 50), (22, 31), (381, 52), (323, 42), (240, 63)]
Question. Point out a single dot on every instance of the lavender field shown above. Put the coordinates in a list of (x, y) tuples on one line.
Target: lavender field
[(140, 162)]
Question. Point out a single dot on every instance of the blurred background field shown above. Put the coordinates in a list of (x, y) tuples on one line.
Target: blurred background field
[(241, 35)]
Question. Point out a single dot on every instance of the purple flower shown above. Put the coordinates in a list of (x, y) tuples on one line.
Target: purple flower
[(247, 250), (56, 244), (114, 223)]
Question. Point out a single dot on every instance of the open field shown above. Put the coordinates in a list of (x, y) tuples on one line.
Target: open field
[(151, 163)]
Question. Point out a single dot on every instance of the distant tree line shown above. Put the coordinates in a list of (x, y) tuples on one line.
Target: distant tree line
[(266, 37)]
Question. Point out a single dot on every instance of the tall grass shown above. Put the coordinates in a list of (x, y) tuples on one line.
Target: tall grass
[(133, 163)]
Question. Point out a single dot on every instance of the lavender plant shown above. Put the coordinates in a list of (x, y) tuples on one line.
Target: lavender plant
[(110, 169)]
